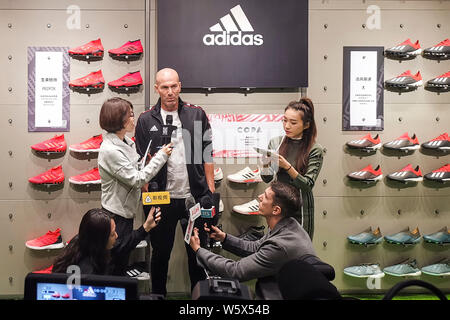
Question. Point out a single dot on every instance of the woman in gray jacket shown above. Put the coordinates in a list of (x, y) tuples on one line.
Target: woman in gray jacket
[(122, 174)]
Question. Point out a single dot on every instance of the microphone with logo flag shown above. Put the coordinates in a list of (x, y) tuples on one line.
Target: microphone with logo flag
[(194, 213)]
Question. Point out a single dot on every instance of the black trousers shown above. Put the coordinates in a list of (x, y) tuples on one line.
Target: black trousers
[(162, 240), (120, 253)]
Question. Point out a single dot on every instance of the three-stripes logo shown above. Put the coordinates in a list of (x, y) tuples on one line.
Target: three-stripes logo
[(234, 29)]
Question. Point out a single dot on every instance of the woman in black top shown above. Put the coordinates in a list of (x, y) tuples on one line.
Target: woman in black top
[(94, 248)]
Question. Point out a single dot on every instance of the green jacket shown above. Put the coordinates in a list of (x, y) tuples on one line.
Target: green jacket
[(305, 183)]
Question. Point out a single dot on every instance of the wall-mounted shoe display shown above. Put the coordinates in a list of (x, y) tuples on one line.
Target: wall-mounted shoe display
[(440, 237), (440, 51), (367, 237), (404, 51), (406, 268), (367, 174), (439, 84), (50, 240), (405, 237), (89, 177), (57, 145), (440, 143), (246, 175), (129, 83), (50, 177), (407, 174), (91, 83), (405, 82), (364, 270), (91, 51), (90, 145), (248, 208), (366, 143), (130, 51), (403, 143), (441, 175), (440, 268)]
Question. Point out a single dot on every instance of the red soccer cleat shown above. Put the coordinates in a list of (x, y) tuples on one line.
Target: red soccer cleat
[(129, 83), (441, 143), (440, 175), (366, 143), (132, 50), (93, 82), (53, 176), (367, 174), (404, 82), (88, 177), (90, 145), (51, 240), (56, 144), (406, 174), (404, 142), (441, 51), (90, 51), (404, 51)]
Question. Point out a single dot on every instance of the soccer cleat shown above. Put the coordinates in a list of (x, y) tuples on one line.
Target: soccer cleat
[(138, 271), (367, 237), (403, 142), (404, 237), (141, 244), (404, 82), (439, 175), (90, 51), (407, 174), (92, 83), (53, 176), (404, 51), (439, 84), (403, 269), (441, 51), (51, 240), (246, 175), (90, 145), (218, 175), (88, 177), (221, 206), (129, 83), (368, 174), (249, 208), (364, 270), (439, 269), (130, 51), (57, 144), (365, 143), (440, 237), (441, 143)]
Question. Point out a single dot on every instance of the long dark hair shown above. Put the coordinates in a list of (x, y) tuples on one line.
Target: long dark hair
[(90, 243), (306, 108)]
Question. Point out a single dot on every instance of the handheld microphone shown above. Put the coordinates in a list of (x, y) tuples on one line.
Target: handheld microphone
[(167, 130), (189, 202), (208, 210)]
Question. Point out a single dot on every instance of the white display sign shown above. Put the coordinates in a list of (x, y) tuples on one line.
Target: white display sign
[(49, 89), (363, 88), (235, 135)]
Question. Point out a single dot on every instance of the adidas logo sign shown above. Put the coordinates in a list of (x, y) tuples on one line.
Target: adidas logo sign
[(236, 31)]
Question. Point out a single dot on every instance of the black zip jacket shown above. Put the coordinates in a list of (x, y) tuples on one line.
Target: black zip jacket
[(198, 147)]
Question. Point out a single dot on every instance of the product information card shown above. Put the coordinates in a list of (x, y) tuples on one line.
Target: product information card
[(48, 91), (363, 89)]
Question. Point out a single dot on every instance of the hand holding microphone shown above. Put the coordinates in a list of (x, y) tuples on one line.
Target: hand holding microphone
[(216, 234), (152, 219)]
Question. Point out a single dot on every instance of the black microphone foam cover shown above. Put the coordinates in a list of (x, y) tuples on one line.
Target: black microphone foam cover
[(206, 202), (189, 202), (169, 119)]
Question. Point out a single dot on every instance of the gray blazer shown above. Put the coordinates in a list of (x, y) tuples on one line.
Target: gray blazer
[(262, 259), (121, 175)]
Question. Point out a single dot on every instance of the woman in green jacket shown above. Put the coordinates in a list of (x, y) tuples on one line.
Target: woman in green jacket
[(300, 157)]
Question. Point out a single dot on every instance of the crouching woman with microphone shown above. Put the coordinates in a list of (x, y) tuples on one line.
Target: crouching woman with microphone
[(121, 172)]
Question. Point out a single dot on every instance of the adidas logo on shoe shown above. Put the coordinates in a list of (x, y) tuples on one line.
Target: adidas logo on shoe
[(227, 33), (88, 177), (249, 208), (246, 175)]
